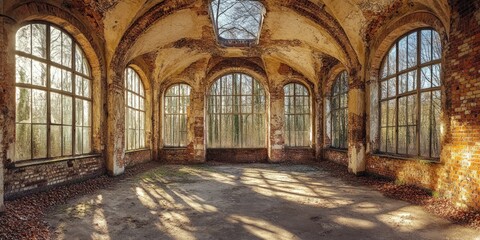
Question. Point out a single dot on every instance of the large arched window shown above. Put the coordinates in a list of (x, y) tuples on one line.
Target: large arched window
[(297, 115), (177, 100), (53, 94), (134, 111), (410, 96), (339, 111), (236, 113)]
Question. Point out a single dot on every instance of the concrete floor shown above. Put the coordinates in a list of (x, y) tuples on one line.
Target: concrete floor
[(255, 201)]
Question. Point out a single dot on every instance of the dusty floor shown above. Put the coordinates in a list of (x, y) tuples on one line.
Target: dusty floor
[(256, 201)]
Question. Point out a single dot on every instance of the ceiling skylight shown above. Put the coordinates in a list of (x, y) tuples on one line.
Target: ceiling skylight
[(237, 22)]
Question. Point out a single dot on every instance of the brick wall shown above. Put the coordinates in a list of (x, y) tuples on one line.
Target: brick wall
[(136, 157), (23, 180), (338, 156), (244, 155), (457, 175)]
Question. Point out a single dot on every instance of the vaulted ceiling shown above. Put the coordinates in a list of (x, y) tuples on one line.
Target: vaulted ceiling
[(175, 34)]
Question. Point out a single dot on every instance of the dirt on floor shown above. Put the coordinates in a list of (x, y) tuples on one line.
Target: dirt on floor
[(255, 201)]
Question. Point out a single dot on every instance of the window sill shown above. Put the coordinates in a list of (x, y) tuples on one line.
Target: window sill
[(137, 150), (406, 158), (27, 163), (298, 148), (338, 149)]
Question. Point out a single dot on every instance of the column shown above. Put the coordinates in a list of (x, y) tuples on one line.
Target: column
[(7, 97), (356, 124), (115, 159), (276, 131)]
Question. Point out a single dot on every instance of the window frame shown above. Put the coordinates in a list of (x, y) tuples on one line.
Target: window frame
[(287, 132), (417, 93), (236, 42), (337, 81), (252, 112), (164, 114), (141, 85), (49, 90)]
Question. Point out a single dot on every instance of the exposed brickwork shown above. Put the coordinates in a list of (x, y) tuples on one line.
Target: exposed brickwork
[(338, 156), (237, 155), (27, 179), (136, 157), (177, 156), (457, 175)]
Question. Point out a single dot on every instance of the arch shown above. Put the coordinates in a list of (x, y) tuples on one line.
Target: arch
[(393, 31), (410, 93), (260, 77), (54, 87), (135, 111), (236, 112), (298, 115), (90, 44), (175, 118)]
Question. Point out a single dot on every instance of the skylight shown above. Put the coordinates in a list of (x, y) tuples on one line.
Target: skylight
[(237, 22)]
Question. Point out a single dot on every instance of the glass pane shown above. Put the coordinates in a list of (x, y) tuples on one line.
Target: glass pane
[(23, 70), (402, 54), (426, 47), (383, 140), (39, 73), (55, 78), (384, 89), (79, 112), (23, 105), (402, 140), (436, 123), (403, 81), (436, 75), (412, 140), (78, 140), (437, 46), (412, 109), (412, 80), (426, 77), (66, 50), (67, 140), (86, 140), (55, 45), (425, 124), (39, 40), (39, 106), (392, 87), (402, 111), (23, 144), (55, 141), (412, 50), (391, 113), (56, 108), (384, 113), (391, 142), (39, 141), (78, 85), (78, 59), (23, 39), (67, 81), (392, 61), (67, 110), (86, 113)]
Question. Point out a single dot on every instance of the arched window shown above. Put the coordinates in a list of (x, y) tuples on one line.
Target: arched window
[(134, 111), (339, 111), (53, 94), (410, 97), (236, 113), (297, 115), (177, 100)]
